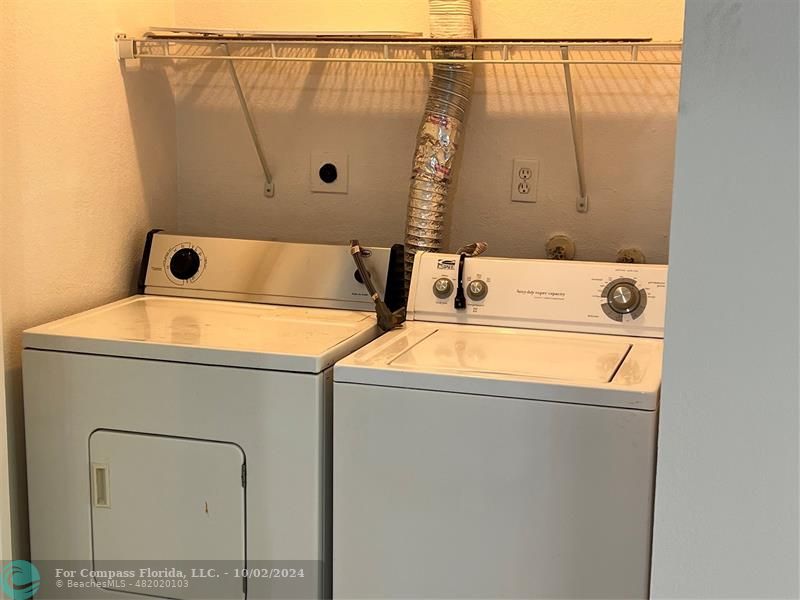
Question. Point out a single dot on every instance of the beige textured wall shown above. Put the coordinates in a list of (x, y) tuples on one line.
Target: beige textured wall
[(87, 166), (372, 112), (88, 153)]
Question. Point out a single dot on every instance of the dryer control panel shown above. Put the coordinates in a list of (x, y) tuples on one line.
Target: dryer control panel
[(616, 298), (268, 272)]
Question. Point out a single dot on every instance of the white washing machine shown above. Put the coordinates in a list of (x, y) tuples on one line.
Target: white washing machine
[(180, 425), (505, 450)]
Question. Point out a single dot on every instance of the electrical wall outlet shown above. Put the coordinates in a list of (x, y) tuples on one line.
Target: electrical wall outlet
[(328, 172), (525, 180)]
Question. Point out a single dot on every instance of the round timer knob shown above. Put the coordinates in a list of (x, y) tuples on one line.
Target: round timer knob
[(624, 298), (442, 288), (477, 289), (184, 264)]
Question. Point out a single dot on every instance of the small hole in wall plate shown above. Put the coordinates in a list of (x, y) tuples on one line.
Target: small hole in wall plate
[(328, 173)]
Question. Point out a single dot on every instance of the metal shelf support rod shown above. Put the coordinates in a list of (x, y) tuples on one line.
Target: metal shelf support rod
[(269, 187), (583, 200)]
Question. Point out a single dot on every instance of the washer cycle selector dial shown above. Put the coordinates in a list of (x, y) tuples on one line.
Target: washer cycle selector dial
[(184, 263), (443, 288), (623, 297), (477, 290)]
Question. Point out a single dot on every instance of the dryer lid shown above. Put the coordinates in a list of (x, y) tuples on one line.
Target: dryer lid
[(211, 332)]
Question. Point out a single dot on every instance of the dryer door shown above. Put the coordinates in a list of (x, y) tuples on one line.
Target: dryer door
[(163, 502)]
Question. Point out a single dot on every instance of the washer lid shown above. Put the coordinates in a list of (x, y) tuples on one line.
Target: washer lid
[(527, 364), (238, 334), (501, 352)]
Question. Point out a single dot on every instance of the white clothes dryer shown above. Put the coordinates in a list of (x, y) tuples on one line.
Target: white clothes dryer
[(193, 422)]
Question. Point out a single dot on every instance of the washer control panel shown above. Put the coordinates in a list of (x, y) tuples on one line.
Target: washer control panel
[(623, 298)]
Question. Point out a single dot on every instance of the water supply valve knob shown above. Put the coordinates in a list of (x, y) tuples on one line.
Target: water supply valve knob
[(477, 290), (443, 288)]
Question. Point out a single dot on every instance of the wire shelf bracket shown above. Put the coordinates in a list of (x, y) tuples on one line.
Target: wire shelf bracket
[(269, 186), (582, 204)]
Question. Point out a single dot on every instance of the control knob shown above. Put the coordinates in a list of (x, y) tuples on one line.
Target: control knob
[(624, 298), (477, 290), (442, 288), (184, 264)]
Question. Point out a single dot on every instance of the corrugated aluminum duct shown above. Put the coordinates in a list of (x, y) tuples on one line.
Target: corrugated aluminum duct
[(440, 131)]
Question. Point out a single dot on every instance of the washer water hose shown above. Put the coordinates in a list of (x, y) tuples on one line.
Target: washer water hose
[(460, 302), (473, 249), (440, 132)]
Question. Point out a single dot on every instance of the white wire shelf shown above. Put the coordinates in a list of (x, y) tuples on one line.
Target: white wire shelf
[(392, 48)]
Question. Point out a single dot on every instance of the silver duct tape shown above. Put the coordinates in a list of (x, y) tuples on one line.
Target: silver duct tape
[(439, 133), (436, 152)]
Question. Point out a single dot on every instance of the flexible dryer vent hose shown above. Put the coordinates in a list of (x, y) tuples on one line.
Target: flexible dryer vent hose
[(440, 131)]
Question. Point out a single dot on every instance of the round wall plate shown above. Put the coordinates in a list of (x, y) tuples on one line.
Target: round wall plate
[(560, 247)]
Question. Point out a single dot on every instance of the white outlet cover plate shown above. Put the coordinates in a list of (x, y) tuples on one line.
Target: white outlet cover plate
[(339, 159), (516, 179)]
